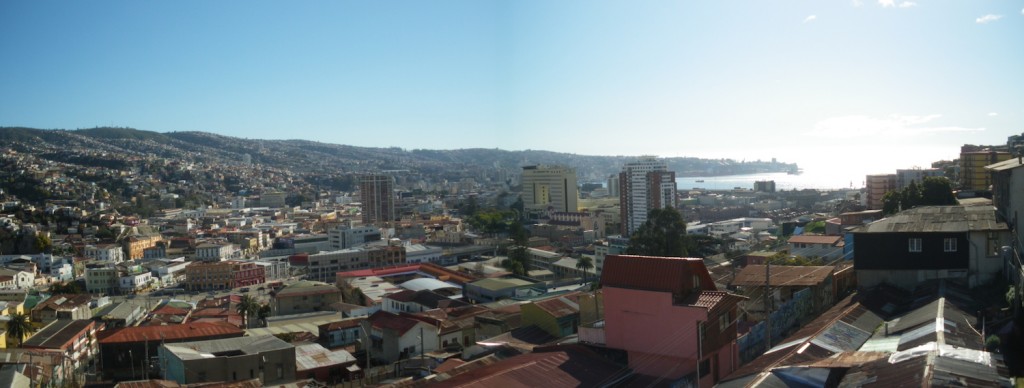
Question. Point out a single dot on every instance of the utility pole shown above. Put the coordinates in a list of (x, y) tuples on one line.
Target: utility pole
[(767, 306), (145, 365), (423, 350)]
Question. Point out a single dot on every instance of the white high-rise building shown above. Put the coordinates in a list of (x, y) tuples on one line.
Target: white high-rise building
[(644, 184), (550, 187)]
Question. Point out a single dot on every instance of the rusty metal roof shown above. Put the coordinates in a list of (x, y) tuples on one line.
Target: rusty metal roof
[(558, 307), (813, 239), (783, 275), (190, 331), (557, 366)]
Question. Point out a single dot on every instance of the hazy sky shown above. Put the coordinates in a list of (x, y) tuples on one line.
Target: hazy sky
[(836, 80)]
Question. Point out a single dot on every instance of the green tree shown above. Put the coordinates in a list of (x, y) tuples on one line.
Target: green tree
[(42, 243), (584, 264), (19, 327), (937, 191), (664, 234), (891, 202), (911, 196), (71, 287), (933, 191), (247, 307)]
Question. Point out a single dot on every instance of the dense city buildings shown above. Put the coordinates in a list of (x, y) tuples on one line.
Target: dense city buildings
[(308, 271), (644, 184), (378, 198), (549, 188)]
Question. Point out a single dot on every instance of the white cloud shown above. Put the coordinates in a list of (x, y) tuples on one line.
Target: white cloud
[(1022, 11), (893, 126), (857, 3), (993, 114), (887, 3), (810, 18), (908, 4), (988, 18)]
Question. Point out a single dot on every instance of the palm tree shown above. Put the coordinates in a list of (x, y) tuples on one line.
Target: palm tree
[(584, 264), (263, 312), (19, 327), (247, 306)]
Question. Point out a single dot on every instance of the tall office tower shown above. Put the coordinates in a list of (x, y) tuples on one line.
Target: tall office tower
[(613, 185), (877, 186), (378, 197), (550, 186), (644, 184)]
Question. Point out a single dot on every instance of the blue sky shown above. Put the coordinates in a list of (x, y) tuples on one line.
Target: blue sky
[(904, 81)]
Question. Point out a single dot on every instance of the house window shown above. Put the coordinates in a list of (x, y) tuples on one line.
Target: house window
[(949, 245), (723, 322), (705, 367), (914, 245)]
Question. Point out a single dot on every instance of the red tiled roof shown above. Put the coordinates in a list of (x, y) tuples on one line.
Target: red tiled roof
[(713, 300), (190, 331), (651, 273)]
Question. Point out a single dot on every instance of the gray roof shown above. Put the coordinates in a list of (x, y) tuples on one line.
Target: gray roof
[(57, 334), (312, 356), (213, 348), (121, 310), (426, 284), (938, 219), (1008, 164)]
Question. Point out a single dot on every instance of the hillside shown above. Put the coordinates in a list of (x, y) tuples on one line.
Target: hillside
[(304, 156)]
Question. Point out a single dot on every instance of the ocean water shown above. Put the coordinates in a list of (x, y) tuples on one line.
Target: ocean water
[(822, 172), (783, 181)]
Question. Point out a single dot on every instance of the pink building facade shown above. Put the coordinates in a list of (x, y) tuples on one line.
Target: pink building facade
[(669, 317)]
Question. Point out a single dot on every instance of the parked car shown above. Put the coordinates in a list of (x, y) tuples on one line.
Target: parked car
[(243, 289)]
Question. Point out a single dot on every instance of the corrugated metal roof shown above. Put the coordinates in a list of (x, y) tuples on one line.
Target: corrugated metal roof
[(841, 337), (938, 219), (313, 356), (812, 239), (57, 334), (209, 349), (558, 307), (1008, 164), (168, 332), (561, 366), (783, 275)]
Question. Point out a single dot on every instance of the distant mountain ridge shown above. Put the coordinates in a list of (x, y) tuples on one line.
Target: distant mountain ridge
[(308, 156)]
